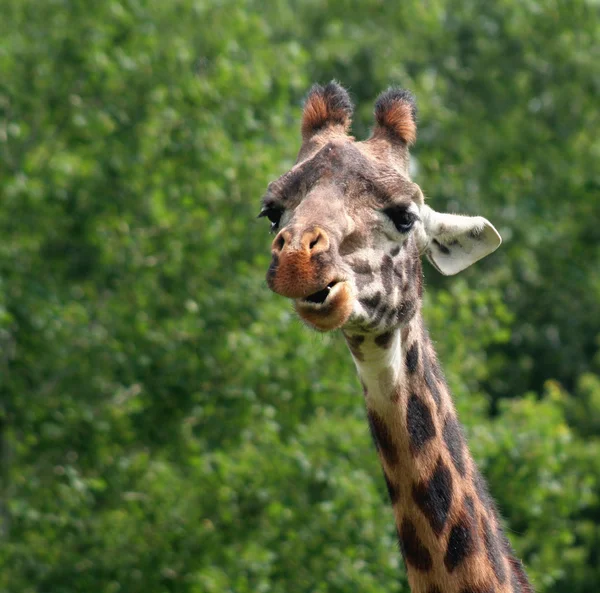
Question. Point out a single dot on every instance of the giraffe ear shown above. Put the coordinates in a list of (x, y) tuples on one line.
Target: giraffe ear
[(453, 242), (326, 107)]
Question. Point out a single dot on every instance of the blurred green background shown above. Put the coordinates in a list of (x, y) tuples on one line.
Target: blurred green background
[(166, 423)]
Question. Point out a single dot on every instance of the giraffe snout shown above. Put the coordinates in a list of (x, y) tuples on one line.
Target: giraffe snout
[(311, 241), (300, 264)]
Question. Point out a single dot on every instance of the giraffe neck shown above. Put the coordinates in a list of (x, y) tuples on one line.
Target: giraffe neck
[(447, 524)]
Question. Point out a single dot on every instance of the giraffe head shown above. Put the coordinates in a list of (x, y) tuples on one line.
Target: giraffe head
[(351, 226)]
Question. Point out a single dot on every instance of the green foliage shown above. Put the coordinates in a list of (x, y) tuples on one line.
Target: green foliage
[(167, 424)]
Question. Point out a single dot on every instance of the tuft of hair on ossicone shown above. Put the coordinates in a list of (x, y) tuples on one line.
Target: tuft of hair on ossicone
[(396, 115), (325, 106)]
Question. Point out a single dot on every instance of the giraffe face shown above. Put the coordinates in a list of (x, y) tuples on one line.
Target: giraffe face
[(345, 248), (350, 224)]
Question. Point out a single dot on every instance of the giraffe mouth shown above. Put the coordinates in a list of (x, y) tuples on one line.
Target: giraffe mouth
[(321, 296), (328, 308)]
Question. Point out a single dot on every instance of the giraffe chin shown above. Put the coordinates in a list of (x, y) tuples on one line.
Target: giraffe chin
[(332, 313)]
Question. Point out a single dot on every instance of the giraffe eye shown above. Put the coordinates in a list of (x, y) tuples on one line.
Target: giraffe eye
[(273, 213), (402, 217)]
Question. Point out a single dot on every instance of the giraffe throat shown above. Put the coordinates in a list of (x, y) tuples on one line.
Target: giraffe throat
[(447, 524)]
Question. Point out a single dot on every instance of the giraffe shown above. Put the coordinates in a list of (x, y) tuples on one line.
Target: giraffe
[(351, 228)]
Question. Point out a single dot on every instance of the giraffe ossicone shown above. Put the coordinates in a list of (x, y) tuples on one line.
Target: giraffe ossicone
[(351, 228)]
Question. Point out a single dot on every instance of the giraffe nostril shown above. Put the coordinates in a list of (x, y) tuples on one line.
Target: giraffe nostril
[(279, 243), (315, 241)]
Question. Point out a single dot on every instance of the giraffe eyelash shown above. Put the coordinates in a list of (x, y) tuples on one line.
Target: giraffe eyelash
[(274, 214)]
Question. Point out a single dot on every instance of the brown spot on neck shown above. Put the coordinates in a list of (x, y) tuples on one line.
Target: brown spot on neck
[(462, 543), (434, 497), (383, 438), (354, 343), (414, 551), (385, 340)]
